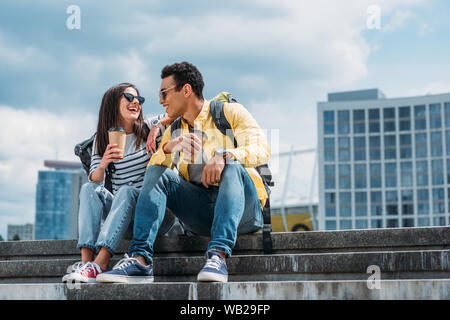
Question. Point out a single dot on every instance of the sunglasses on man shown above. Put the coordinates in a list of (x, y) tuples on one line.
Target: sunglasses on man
[(131, 97)]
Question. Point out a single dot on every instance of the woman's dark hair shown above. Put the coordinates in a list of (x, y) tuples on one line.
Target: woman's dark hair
[(183, 73), (109, 117)]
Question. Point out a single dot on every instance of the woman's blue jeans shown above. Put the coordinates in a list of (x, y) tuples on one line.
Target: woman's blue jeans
[(219, 212), (96, 203)]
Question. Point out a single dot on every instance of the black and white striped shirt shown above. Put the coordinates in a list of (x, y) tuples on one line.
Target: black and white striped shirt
[(130, 170)]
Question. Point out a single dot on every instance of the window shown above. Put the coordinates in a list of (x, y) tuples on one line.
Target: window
[(330, 225), (404, 114), (344, 149), (390, 174), (421, 145), (436, 144), (330, 177), (389, 147), (330, 204), (376, 224), (375, 175), (346, 224), (328, 123), (359, 145), (438, 200), (435, 116), (360, 176), (407, 223), (420, 118), (389, 119), (344, 176), (407, 202), (329, 153), (406, 174), (437, 173), (374, 148), (374, 120), (359, 125), (361, 224), (345, 204), (360, 204), (376, 208), (447, 142), (422, 173), (424, 222), (392, 223), (391, 203), (405, 146), (343, 122), (438, 221), (447, 114), (423, 207)]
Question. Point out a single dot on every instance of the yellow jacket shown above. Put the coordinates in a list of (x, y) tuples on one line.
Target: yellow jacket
[(252, 150)]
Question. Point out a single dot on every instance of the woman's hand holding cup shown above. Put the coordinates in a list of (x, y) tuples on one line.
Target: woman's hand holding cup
[(112, 154)]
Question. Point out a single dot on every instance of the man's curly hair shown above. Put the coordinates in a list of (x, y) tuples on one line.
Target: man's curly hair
[(183, 73)]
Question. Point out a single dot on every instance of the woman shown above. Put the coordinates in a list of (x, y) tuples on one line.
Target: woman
[(121, 107)]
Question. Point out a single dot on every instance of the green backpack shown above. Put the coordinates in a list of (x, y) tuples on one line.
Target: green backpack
[(222, 124)]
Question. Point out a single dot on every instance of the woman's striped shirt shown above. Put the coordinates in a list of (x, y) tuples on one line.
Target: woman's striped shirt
[(130, 170)]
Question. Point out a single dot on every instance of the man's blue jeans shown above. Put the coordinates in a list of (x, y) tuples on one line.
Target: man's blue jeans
[(219, 212)]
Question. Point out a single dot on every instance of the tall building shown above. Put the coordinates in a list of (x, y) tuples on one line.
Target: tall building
[(57, 200), (22, 231), (383, 162)]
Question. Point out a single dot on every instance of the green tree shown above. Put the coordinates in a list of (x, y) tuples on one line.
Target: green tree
[(16, 237), (1, 238)]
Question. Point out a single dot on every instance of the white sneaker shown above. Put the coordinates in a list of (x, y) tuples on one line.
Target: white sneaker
[(71, 269)]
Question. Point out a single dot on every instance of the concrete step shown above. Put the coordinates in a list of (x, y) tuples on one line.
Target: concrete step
[(293, 267), (397, 239), (419, 289)]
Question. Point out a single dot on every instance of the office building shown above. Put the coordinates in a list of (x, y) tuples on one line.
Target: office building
[(20, 232), (383, 163), (57, 200)]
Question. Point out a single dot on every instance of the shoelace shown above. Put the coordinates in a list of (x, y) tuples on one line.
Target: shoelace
[(214, 262), (77, 265), (90, 266), (125, 262)]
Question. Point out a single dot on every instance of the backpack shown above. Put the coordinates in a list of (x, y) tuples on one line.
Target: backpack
[(83, 150), (222, 124)]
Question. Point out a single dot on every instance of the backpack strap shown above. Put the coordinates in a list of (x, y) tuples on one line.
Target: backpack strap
[(222, 124)]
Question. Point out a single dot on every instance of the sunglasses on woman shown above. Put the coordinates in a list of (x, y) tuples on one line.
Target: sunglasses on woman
[(131, 97)]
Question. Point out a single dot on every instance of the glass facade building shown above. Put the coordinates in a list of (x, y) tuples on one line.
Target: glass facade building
[(383, 163), (57, 202)]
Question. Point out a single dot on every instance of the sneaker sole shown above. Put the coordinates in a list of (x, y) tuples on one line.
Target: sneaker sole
[(212, 277), (124, 279), (79, 278)]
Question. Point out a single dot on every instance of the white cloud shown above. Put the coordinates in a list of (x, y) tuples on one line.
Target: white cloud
[(28, 138), (425, 29), (398, 20)]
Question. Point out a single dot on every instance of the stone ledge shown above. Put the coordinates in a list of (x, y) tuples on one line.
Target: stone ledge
[(421, 289), (289, 242), (354, 265)]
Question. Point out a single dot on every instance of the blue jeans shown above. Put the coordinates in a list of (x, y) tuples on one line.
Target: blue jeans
[(118, 210), (219, 212)]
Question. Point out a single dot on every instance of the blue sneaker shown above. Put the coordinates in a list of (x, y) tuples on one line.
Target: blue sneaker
[(128, 270), (214, 270)]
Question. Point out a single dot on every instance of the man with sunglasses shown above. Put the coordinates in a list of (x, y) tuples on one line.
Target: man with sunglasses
[(217, 191)]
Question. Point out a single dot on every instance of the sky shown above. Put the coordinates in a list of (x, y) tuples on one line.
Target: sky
[(278, 58)]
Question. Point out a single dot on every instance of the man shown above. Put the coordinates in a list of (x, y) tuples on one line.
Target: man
[(217, 191)]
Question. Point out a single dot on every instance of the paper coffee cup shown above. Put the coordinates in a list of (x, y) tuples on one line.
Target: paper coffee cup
[(118, 136), (196, 158)]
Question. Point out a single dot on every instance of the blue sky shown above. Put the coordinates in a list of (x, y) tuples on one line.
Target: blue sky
[(278, 57)]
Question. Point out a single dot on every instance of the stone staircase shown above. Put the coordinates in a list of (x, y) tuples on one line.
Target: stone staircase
[(414, 263)]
